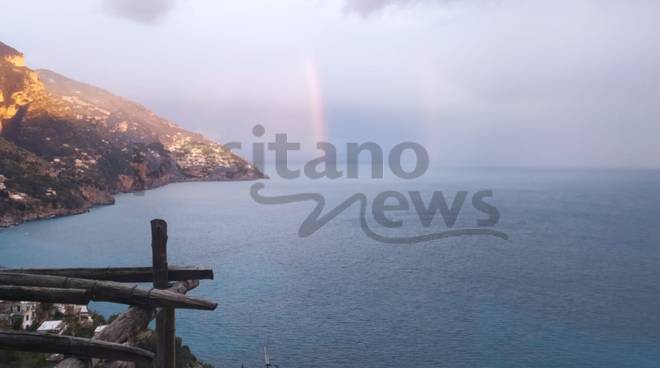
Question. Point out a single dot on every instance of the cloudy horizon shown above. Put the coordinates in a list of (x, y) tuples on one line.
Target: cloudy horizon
[(479, 83)]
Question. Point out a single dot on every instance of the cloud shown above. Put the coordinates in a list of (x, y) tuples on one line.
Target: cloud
[(368, 7), (142, 11)]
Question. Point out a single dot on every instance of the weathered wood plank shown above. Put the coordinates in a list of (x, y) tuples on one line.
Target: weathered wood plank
[(107, 291), (46, 343), (120, 274), (44, 295)]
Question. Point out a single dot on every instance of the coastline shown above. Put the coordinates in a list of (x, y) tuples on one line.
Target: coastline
[(6, 223)]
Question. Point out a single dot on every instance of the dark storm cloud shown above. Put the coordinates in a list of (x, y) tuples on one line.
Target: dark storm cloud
[(143, 11)]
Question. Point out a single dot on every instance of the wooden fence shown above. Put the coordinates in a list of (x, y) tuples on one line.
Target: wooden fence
[(111, 347)]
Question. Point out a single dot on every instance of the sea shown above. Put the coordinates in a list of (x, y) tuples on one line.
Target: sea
[(576, 284)]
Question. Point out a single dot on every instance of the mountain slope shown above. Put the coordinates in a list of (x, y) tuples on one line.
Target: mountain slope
[(66, 146)]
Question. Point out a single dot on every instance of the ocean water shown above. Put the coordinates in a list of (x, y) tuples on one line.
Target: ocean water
[(576, 285)]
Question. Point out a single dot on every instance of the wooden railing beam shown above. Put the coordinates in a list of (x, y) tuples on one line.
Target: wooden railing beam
[(106, 291), (120, 274), (46, 343)]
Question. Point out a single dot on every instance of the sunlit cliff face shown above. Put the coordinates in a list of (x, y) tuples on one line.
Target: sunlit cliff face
[(8, 106), (27, 86), (19, 85), (11, 55), (17, 60)]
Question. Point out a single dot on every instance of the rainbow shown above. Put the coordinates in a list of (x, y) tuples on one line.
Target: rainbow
[(315, 97)]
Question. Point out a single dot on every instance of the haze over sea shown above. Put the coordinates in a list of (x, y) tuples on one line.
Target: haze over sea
[(575, 286)]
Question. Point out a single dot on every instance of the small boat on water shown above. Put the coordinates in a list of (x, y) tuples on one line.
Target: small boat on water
[(267, 362)]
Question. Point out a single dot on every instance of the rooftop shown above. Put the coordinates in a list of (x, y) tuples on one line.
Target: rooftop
[(50, 326)]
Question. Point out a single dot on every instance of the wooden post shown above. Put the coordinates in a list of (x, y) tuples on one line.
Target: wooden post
[(165, 316)]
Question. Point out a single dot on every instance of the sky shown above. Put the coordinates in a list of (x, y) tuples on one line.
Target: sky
[(477, 82)]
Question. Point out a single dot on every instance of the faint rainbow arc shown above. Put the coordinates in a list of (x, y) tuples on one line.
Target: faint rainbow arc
[(316, 103)]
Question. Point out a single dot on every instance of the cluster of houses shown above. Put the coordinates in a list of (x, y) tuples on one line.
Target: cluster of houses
[(25, 316), (189, 153)]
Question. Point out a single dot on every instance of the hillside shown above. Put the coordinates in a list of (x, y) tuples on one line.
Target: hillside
[(66, 146)]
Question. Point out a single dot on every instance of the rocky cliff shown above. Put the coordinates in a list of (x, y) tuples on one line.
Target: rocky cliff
[(66, 146)]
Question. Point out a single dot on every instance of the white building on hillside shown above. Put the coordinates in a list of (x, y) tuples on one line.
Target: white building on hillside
[(24, 312), (54, 327)]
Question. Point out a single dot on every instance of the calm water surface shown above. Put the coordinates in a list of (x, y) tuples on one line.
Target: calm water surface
[(577, 285)]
